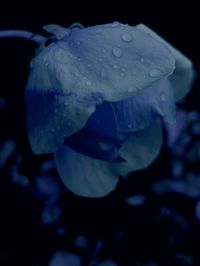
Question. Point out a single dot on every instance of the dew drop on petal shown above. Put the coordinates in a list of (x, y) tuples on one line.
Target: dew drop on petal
[(123, 69), (163, 97), (88, 82), (129, 126), (155, 73), (106, 146), (115, 24), (126, 37), (115, 66), (131, 89), (142, 60), (117, 51), (97, 30)]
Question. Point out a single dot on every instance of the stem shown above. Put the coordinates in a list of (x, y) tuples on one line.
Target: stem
[(22, 34)]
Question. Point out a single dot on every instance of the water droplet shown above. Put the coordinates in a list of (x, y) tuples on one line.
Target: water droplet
[(66, 103), (117, 51), (105, 146), (155, 73), (78, 43), (122, 74), (115, 24), (131, 89), (103, 73), (126, 37), (142, 60), (123, 69), (115, 66), (129, 125), (104, 51), (100, 59), (88, 82), (163, 97), (31, 64), (89, 65), (96, 30), (46, 63)]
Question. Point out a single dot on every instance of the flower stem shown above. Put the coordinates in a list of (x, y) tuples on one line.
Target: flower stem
[(22, 34)]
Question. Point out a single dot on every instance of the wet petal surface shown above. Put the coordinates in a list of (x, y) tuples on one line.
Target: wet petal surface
[(184, 73), (73, 75)]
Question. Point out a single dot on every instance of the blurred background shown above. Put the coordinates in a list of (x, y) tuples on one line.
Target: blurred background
[(153, 217)]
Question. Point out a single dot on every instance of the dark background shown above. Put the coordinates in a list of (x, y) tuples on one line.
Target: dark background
[(163, 230)]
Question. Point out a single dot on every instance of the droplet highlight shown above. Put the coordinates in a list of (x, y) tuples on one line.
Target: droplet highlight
[(88, 82), (163, 97), (106, 146), (155, 73), (142, 60), (115, 24), (129, 126), (117, 51), (126, 37), (115, 66)]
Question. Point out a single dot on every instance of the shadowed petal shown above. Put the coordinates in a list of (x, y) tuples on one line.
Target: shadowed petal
[(184, 73), (111, 123), (140, 149), (84, 175)]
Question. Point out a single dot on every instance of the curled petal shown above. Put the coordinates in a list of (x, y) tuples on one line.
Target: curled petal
[(88, 66), (84, 175), (112, 122), (184, 74), (140, 149)]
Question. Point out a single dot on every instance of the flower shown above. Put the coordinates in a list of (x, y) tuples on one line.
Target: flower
[(96, 98)]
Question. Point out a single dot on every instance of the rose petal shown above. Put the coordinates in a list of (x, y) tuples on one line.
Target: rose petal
[(83, 175), (71, 76), (184, 74), (140, 149)]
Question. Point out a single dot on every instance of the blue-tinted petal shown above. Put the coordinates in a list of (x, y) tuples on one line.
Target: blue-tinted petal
[(111, 123), (139, 111), (115, 119), (140, 149), (184, 73), (83, 175), (94, 145), (91, 65), (48, 118), (117, 60)]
